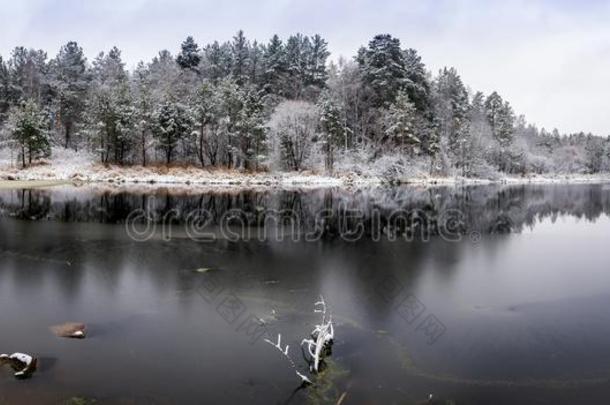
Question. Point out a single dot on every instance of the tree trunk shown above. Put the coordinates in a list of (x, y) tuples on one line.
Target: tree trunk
[(68, 134), (143, 149), (200, 151)]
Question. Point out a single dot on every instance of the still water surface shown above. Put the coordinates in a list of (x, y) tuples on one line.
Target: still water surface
[(513, 307)]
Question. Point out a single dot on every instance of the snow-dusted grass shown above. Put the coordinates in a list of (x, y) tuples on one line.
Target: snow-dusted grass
[(81, 167)]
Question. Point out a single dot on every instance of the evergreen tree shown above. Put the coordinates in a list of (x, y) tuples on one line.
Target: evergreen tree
[(113, 108), (417, 85), (5, 102), (143, 103), (501, 119), (29, 130), (332, 127), (205, 113), (251, 129), (218, 61), (240, 50), (28, 72), (172, 124), (274, 57), (189, 56), (164, 76), (297, 51), (452, 109), (316, 73), (383, 67), (256, 63), (71, 83), (400, 124)]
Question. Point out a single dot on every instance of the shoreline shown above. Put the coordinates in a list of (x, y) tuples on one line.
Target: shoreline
[(48, 175)]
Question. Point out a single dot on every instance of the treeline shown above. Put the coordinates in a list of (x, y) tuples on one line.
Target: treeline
[(279, 105)]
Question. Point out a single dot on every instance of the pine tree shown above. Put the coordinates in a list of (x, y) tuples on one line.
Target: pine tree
[(29, 129), (190, 55), (28, 72), (256, 63), (417, 85), (400, 124), (143, 104), (205, 113), (297, 51), (250, 128), (113, 108), (71, 83), (332, 127), (452, 111), (275, 65), (172, 124), (383, 68), (317, 73), (501, 118), (164, 76), (5, 102), (240, 52), (218, 61)]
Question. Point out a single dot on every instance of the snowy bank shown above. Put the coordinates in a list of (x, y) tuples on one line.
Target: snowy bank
[(69, 166)]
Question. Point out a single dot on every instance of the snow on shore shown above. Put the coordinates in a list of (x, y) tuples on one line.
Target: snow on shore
[(81, 168)]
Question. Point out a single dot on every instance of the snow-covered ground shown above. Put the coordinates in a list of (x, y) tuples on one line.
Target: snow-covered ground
[(80, 167)]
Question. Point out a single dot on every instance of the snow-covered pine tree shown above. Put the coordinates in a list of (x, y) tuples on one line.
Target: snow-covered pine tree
[(29, 129), (143, 104), (5, 102), (317, 74), (256, 67), (274, 57), (240, 52), (172, 124), (298, 48), (332, 127), (113, 108), (383, 67), (251, 129), (204, 109), (452, 110), (71, 84), (400, 124), (190, 55), (28, 73)]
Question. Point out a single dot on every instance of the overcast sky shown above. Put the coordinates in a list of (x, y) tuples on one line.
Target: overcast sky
[(550, 59)]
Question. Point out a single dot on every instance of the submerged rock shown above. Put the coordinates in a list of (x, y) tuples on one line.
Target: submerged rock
[(24, 365), (72, 330)]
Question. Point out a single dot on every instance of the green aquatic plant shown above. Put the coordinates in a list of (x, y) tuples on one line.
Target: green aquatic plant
[(80, 401), (327, 384)]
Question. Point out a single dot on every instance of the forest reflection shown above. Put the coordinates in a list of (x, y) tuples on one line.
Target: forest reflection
[(485, 209)]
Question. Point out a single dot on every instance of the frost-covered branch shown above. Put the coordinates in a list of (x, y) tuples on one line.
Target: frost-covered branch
[(284, 352), (315, 348)]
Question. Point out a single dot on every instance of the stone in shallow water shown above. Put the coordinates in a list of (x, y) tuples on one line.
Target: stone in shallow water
[(73, 330), (24, 365)]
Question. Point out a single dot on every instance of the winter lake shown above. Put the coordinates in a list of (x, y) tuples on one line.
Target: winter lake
[(474, 295)]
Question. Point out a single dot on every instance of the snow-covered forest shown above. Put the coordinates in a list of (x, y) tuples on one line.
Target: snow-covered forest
[(281, 105)]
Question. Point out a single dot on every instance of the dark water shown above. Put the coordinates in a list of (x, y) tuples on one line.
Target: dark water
[(477, 295)]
